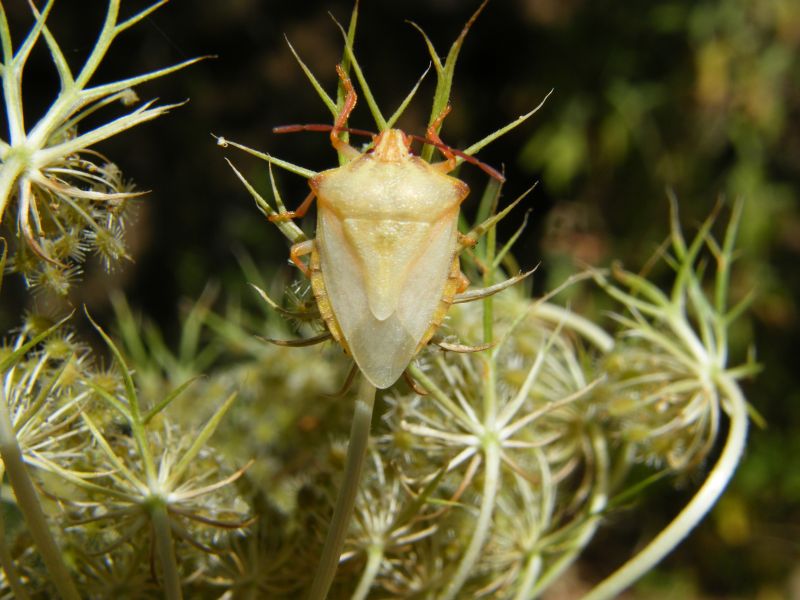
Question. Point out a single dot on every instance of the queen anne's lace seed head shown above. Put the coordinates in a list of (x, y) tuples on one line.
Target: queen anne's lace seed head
[(59, 199)]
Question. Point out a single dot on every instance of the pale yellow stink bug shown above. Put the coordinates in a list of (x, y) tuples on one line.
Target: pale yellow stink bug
[(384, 265)]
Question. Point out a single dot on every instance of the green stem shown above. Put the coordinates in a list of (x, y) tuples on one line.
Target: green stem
[(491, 483), (532, 569), (696, 509), (489, 376), (12, 92), (166, 552), (559, 315), (7, 563), (491, 444), (585, 531), (374, 559), (28, 503), (437, 394), (342, 513), (488, 279), (10, 171)]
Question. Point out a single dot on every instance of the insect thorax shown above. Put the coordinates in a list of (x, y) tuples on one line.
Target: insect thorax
[(405, 190)]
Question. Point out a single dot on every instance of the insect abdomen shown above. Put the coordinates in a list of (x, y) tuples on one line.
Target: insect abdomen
[(323, 301), (449, 292)]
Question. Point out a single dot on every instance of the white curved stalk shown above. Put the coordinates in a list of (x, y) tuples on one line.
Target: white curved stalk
[(695, 510)]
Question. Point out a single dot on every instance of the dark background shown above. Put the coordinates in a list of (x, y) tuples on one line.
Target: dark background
[(701, 98)]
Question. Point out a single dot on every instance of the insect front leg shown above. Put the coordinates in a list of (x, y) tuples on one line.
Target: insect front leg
[(298, 250), (432, 134), (463, 282), (349, 104), (450, 162), (294, 214), (466, 241)]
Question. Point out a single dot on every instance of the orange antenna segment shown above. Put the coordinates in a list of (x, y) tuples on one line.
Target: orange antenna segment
[(446, 150), (490, 171), (319, 127)]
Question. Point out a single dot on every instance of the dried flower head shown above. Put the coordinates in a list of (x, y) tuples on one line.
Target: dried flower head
[(63, 198)]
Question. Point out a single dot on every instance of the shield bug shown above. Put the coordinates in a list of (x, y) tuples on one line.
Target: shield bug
[(384, 265)]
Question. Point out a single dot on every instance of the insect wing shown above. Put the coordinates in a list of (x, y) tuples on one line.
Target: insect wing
[(384, 300)]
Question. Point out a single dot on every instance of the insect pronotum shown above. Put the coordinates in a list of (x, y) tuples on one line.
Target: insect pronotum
[(384, 265)]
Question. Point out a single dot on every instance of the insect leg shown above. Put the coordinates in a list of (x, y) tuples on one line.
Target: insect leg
[(412, 383), (482, 293), (291, 214), (466, 241), (348, 383), (463, 282), (349, 104), (298, 250), (317, 339), (463, 348), (432, 134)]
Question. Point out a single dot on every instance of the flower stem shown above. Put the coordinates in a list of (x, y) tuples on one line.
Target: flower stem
[(532, 569), (583, 326), (29, 505), (585, 531), (7, 563), (356, 452), (491, 483), (696, 509), (166, 552), (10, 170), (374, 559)]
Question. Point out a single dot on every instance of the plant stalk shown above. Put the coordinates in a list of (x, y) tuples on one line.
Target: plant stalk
[(10, 170), (586, 530), (342, 513), (491, 484), (696, 509), (31, 508), (166, 552), (529, 576), (7, 563), (374, 559), (586, 328)]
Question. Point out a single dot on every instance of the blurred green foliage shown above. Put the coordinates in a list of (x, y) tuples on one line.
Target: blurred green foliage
[(702, 98)]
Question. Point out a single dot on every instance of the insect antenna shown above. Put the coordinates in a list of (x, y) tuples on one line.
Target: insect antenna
[(490, 171), (319, 127)]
